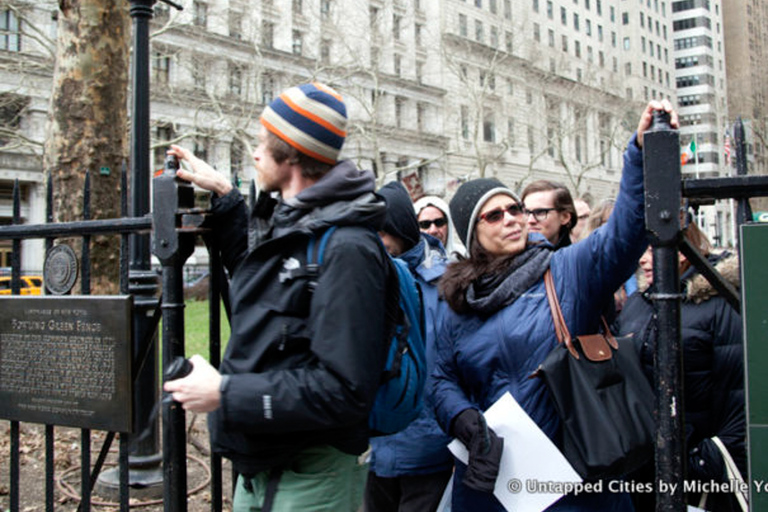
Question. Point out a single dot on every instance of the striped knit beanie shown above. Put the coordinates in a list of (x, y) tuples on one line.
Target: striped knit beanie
[(312, 118)]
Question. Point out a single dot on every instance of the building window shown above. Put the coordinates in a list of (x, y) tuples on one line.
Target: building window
[(535, 5), (510, 42), (297, 6), (465, 123), (199, 74), (163, 137), (626, 44), (396, 21), (236, 154), (373, 16), (398, 64), (577, 49), (479, 31), (420, 72), (563, 16), (199, 14), (421, 115), (565, 43), (10, 32), (325, 52), (267, 89), (489, 128), (297, 43), (267, 34), (492, 6), (625, 18), (463, 31), (576, 22), (511, 131), (399, 105), (536, 32), (551, 36), (550, 9), (494, 37), (235, 80), (235, 24), (325, 9), (508, 9), (418, 29), (200, 148), (531, 140), (161, 65)]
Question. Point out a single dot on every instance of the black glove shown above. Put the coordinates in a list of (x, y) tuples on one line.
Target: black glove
[(484, 447)]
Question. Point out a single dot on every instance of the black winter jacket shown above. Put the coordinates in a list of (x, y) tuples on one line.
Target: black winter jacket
[(713, 359), (301, 368)]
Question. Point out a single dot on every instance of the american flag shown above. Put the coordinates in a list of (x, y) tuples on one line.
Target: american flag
[(727, 148)]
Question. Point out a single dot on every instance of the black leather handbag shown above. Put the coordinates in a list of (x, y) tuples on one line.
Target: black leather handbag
[(602, 396)]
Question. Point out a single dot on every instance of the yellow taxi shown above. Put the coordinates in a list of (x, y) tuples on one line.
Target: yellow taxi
[(30, 285)]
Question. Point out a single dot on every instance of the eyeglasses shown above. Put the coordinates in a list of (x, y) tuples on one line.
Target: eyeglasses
[(424, 224), (497, 214), (540, 214)]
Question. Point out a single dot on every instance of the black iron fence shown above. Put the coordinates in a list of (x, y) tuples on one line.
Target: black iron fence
[(176, 226)]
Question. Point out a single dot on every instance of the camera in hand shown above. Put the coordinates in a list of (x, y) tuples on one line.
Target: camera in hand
[(180, 367)]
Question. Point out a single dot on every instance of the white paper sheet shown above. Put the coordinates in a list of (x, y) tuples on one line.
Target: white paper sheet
[(533, 473)]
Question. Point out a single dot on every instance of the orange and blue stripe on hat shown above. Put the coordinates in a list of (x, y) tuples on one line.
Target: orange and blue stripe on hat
[(312, 118)]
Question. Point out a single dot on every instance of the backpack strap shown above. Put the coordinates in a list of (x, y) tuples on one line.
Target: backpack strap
[(315, 255)]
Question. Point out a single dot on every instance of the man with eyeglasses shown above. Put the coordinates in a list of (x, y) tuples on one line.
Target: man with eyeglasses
[(435, 220), (549, 210)]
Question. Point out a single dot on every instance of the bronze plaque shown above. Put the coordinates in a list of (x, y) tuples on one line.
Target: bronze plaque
[(67, 361)]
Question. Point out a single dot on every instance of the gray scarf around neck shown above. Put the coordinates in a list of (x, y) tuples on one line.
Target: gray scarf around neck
[(490, 293)]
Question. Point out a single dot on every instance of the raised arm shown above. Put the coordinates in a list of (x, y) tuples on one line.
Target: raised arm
[(201, 174)]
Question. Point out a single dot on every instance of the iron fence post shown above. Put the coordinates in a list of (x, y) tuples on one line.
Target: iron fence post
[(661, 165), (145, 458), (172, 248)]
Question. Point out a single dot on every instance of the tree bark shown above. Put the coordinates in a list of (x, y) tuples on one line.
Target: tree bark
[(87, 128)]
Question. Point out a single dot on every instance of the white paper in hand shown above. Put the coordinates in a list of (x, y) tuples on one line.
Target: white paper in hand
[(533, 473)]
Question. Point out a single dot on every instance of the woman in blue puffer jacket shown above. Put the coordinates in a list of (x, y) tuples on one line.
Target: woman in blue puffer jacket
[(500, 327)]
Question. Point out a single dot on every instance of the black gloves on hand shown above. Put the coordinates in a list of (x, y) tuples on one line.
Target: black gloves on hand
[(484, 447)]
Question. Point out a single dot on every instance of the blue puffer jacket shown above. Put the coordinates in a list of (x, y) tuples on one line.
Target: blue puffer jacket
[(421, 448), (482, 357)]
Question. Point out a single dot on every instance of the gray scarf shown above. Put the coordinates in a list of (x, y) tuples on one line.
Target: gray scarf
[(491, 292)]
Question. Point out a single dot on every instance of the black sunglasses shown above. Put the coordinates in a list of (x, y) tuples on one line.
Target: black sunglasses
[(424, 224), (495, 215)]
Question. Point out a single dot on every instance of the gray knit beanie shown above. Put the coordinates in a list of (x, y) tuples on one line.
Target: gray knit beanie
[(469, 200)]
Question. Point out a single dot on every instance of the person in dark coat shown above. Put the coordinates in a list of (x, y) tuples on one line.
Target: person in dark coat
[(290, 403), (713, 373), (499, 328), (409, 470)]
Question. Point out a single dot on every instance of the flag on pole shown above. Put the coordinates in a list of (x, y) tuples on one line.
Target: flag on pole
[(727, 148), (687, 153)]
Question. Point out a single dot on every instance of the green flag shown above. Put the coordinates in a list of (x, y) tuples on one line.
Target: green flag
[(693, 146)]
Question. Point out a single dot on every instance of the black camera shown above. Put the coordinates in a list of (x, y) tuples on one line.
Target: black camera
[(180, 367)]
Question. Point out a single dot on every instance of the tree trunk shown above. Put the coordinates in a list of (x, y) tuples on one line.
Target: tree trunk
[(88, 120)]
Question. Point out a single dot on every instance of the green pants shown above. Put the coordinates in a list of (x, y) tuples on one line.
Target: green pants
[(320, 479)]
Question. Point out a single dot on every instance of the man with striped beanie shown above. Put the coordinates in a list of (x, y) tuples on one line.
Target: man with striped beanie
[(289, 404)]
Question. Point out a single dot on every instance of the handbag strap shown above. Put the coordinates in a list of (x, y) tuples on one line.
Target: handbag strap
[(733, 472), (561, 330)]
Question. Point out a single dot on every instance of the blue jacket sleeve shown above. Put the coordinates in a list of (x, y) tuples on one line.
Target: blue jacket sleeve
[(590, 271), (445, 394)]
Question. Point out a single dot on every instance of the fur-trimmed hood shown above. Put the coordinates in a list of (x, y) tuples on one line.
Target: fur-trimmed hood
[(695, 287), (698, 289)]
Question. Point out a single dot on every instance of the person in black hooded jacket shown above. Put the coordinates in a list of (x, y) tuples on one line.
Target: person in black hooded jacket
[(290, 403), (713, 375)]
